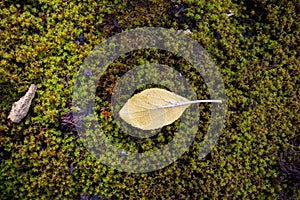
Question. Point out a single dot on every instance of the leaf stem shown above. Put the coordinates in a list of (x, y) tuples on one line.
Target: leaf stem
[(190, 102)]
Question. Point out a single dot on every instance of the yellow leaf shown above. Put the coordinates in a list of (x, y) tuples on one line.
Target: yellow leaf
[(154, 108)]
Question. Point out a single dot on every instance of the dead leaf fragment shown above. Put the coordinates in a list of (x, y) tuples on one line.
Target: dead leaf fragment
[(20, 108)]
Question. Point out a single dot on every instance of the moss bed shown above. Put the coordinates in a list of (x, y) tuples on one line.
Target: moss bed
[(256, 50)]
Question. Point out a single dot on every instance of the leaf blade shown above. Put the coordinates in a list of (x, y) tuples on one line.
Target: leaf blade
[(154, 108)]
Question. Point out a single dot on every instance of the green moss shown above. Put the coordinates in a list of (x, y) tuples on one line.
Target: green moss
[(256, 51)]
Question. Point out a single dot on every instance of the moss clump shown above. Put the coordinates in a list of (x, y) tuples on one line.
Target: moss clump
[(256, 51)]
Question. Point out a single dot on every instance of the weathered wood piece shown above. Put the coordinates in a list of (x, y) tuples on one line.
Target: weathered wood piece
[(20, 108)]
